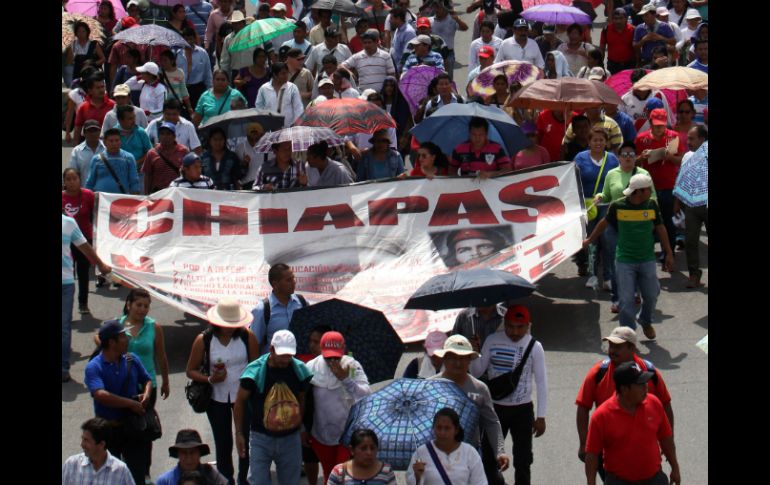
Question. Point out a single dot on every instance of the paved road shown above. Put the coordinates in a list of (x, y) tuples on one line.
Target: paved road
[(568, 319)]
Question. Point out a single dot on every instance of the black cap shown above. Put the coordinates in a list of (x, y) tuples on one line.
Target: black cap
[(629, 373), (110, 329)]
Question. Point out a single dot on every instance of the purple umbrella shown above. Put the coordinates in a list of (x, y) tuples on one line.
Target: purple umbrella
[(515, 71), (414, 84), (556, 14), (91, 7)]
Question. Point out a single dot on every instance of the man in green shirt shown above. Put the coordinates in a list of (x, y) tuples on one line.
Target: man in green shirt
[(635, 216)]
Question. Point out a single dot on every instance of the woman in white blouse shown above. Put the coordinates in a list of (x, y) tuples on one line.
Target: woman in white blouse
[(460, 461), (219, 356), (153, 92)]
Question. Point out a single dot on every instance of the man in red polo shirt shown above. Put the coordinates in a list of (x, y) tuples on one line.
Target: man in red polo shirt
[(599, 384), (617, 40), (631, 429), (662, 171), (479, 155), (550, 132), (95, 107)]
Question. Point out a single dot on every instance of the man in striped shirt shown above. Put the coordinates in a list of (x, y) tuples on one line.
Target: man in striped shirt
[(502, 352), (164, 160), (372, 65), (191, 174), (95, 465), (479, 155), (423, 54)]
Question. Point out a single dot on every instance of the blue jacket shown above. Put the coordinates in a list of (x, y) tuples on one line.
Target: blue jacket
[(369, 169)]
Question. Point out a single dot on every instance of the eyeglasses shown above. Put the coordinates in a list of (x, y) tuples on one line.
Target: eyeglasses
[(627, 154)]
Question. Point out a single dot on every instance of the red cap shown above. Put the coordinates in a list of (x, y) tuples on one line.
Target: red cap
[(332, 344), (423, 22), (658, 117), (467, 234), (517, 314), (486, 51), (128, 22)]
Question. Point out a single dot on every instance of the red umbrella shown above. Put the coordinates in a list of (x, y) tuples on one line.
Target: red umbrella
[(347, 116), (620, 82)]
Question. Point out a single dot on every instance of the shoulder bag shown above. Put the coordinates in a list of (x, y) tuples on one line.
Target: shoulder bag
[(437, 462), (142, 428), (592, 211), (199, 393), (112, 172), (504, 384)]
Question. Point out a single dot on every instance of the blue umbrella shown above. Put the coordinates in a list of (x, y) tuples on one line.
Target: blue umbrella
[(692, 183), (151, 35), (469, 288), (448, 127), (401, 414), (368, 334)]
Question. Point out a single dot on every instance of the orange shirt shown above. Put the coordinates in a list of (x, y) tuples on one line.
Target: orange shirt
[(629, 442), (590, 392)]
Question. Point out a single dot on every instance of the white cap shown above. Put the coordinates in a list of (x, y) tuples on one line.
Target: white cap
[(284, 343), (661, 11), (325, 81), (647, 8), (237, 16), (150, 68), (692, 14), (620, 335), (421, 39), (596, 74), (638, 181), (278, 7)]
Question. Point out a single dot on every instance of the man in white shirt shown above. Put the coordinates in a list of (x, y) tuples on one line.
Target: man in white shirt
[(331, 45), (487, 38), (342, 86), (520, 47), (96, 464), (185, 130), (83, 153), (250, 157), (122, 96), (372, 65), (502, 352), (280, 95)]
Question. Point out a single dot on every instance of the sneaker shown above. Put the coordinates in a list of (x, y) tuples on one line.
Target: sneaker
[(592, 282), (615, 308), (607, 285), (83, 310), (649, 332)]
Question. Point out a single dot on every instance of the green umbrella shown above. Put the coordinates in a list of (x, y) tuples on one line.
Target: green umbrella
[(259, 32)]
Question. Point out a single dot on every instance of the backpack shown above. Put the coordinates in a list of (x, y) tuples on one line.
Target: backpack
[(266, 308), (281, 410), (606, 365)]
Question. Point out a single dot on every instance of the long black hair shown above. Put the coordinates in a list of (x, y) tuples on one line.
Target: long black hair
[(441, 159), (455, 418)]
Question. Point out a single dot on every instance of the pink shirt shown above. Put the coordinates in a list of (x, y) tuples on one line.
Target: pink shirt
[(526, 160), (216, 19)]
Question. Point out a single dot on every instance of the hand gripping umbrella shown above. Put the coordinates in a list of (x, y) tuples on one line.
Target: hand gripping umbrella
[(401, 414)]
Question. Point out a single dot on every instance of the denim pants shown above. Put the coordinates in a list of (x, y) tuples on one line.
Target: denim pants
[(641, 276), (221, 419), (285, 451), (694, 218), (67, 301)]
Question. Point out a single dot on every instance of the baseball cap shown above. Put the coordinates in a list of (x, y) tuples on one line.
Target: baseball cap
[(692, 14), (111, 329), (332, 345), (652, 104), (622, 334), (549, 29), (237, 16), (458, 345), (278, 7), (517, 314), (661, 11), (91, 125), (658, 117), (423, 22), (284, 343), (629, 373), (486, 51), (434, 341), (167, 125), (647, 8), (421, 39), (520, 22), (121, 90), (638, 181), (190, 159), (149, 67), (596, 74), (296, 53), (325, 81)]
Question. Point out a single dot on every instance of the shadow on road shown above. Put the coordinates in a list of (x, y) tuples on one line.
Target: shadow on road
[(661, 357)]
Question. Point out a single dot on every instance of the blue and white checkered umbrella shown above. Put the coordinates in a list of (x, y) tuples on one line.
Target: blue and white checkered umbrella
[(692, 183), (151, 35), (401, 414)]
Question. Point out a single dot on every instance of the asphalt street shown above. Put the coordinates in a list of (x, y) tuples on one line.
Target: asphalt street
[(568, 318)]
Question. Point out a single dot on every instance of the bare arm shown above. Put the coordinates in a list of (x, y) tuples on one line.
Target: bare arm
[(669, 449), (592, 465), (111, 400), (161, 360), (195, 361), (238, 412), (99, 53), (253, 345), (461, 26), (660, 230), (598, 230), (582, 429), (93, 258), (669, 414), (68, 120)]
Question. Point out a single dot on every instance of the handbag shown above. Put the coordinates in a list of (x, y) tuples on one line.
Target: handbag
[(145, 427), (592, 211), (504, 384), (199, 393)]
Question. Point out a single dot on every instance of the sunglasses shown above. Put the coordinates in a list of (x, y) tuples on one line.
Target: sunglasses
[(627, 154)]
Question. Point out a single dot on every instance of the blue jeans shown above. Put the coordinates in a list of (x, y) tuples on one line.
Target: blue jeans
[(67, 301), (609, 240), (285, 451), (631, 276)]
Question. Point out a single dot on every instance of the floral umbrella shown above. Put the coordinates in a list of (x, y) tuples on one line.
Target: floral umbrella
[(67, 31), (347, 116), (516, 71)]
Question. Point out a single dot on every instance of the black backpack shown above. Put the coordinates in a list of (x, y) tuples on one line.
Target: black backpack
[(266, 309), (208, 334)]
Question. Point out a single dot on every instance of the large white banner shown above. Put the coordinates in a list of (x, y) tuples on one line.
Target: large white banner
[(372, 243)]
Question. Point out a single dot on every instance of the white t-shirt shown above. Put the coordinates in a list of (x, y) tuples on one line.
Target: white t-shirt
[(462, 466), (473, 54), (445, 29), (256, 159), (185, 133)]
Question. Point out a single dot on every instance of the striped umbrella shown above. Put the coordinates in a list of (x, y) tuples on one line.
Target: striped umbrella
[(521, 72), (301, 137), (347, 116), (259, 32)]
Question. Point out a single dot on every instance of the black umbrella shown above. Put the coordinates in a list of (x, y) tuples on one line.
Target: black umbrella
[(235, 122), (368, 334), (469, 288), (345, 8)]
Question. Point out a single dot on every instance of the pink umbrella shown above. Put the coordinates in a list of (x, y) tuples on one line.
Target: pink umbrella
[(621, 83), (532, 3), (91, 7), (414, 84)]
